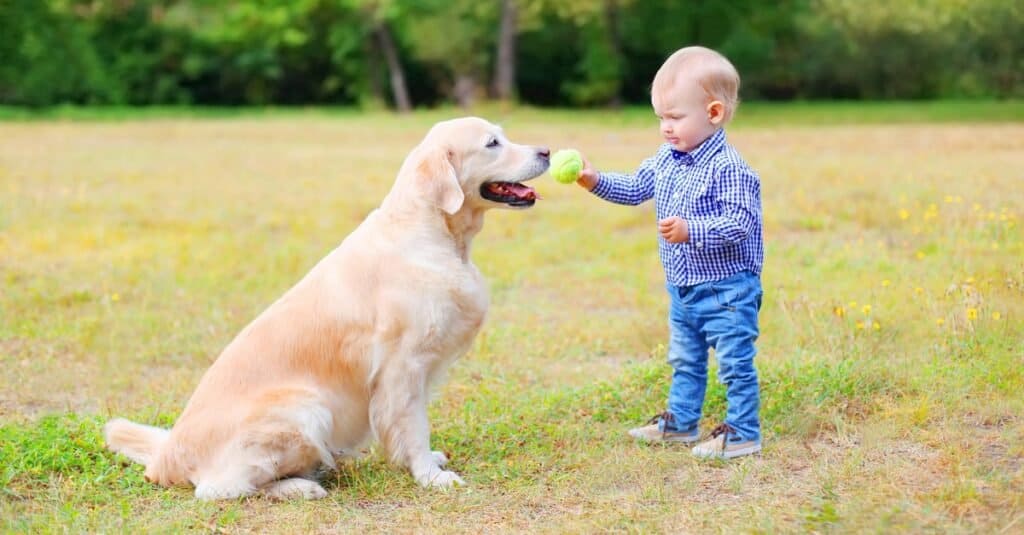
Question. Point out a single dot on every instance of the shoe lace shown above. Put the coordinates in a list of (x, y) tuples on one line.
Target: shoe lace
[(662, 417), (723, 430)]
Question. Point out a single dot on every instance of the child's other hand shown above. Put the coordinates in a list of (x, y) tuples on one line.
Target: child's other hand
[(588, 176), (674, 229)]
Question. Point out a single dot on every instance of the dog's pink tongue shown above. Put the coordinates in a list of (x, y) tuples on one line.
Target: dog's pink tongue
[(523, 191), (514, 189)]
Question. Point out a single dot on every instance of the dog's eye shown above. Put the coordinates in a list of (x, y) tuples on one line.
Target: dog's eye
[(493, 143)]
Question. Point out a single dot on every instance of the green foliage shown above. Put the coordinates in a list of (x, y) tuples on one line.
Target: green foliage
[(578, 52), (879, 49), (47, 57), (266, 51), (468, 33)]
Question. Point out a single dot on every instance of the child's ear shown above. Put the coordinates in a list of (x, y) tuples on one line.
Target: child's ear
[(716, 112)]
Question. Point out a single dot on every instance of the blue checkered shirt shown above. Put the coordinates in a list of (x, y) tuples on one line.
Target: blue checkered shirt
[(718, 195)]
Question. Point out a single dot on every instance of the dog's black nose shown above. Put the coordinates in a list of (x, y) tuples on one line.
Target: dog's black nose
[(544, 153)]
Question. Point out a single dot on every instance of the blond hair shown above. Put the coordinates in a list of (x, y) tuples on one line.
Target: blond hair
[(711, 70)]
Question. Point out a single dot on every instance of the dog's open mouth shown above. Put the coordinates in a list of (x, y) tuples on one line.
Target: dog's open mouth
[(510, 193)]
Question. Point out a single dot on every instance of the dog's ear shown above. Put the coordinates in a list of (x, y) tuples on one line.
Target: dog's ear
[(436, 179)]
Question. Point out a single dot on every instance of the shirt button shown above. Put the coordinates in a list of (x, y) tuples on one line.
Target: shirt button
[(676, 252), (700, 244)]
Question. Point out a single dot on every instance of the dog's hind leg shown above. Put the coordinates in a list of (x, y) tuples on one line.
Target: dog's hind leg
[(294, 488), (285, 441), (256, 462), (229, 482)]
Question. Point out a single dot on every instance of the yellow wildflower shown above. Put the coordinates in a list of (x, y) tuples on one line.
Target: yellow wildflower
[(885, 283), (972, 314), (904, 214), (876, 326), (866, 309), (940, 322), (839, 311), (996, 316)]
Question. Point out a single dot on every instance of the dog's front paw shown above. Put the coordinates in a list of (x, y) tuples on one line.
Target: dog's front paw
[(446, 479), (440, 457), (442, 479)]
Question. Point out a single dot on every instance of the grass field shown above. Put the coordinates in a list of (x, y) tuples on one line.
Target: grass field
[(891, 356)]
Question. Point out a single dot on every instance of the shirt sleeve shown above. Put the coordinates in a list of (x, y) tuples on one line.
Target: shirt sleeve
[(627, 189), (738, 192)]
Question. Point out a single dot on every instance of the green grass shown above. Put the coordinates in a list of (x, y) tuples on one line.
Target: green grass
[(757, 113), (131, 251)]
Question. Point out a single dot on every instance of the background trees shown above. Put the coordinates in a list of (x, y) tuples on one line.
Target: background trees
[(406, 53)]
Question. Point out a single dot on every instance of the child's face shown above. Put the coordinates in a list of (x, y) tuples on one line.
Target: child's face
[(688, 116)]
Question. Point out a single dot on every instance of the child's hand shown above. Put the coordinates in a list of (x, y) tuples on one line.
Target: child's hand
[(674, 229), (588, 176)]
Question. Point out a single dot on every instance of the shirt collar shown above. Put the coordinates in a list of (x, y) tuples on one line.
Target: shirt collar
[(709, 147)]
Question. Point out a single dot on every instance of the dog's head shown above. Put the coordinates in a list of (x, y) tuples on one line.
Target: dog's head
[(469, 163)]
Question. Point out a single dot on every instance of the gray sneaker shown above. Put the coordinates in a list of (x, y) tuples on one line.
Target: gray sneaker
[(725, 444), (655, 431)]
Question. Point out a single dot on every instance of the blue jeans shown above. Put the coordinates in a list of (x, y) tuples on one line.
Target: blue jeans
[(720, 315)]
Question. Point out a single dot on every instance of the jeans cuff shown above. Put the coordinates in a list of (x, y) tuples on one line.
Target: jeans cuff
[(672, 427)]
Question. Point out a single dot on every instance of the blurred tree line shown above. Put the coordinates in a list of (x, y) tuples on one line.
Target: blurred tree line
[(405, 53)]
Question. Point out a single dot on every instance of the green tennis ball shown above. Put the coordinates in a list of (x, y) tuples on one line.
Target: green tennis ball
[(566, 165)]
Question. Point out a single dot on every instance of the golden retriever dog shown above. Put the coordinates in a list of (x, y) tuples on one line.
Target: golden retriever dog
[(350, 352)]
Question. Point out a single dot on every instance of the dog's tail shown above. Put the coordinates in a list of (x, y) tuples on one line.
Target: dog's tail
[(138, 442)]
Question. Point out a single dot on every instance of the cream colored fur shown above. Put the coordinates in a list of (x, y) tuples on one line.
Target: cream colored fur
[(350, 352)]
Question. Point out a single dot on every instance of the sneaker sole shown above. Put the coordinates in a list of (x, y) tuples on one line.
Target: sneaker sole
[(731, 454)]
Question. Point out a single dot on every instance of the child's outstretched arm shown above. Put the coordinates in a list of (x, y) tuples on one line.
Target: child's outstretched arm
[(738, 191), (619, 188), (588, 176)]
